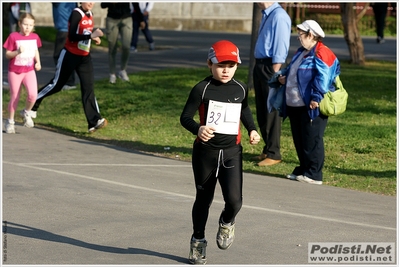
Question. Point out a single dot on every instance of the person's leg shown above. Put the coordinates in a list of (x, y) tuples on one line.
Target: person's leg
[(15, 81), (380, 11), (204, 163), (30, 82), (65, 66), (90, 106), (260, 102), (231, 181), (200, 212), (12, 22), (295, 115), (135, 32), (147, 34), (269, 123), (59, 44), (126, 30), (313, 133), (112, 37)]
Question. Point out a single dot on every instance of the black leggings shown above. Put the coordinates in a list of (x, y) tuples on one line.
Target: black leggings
[(210, 165)]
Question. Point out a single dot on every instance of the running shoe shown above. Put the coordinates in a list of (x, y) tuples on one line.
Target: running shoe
[(101, 123), (225, 235), (197, 251), (28, 122), (112, 78), (10, 129), (123, 75)]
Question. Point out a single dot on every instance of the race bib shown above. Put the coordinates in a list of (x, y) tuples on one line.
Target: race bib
[(224, 117), (85, 44), (27, 57)]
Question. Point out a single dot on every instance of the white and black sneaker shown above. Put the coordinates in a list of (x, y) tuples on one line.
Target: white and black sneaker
[(101, 123), (197, 251)]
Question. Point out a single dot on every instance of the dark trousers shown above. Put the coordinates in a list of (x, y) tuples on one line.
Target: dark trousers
[(59, 44), (380, 13), (269, 123), (83, 66), (308, 140), (136, 28), (206, 173)]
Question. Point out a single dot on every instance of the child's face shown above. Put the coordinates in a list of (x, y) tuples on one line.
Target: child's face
[(26, 26), (87, 6), (223, 71)]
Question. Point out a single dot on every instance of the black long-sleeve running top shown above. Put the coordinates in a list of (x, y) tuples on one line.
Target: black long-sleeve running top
[(211, 89)]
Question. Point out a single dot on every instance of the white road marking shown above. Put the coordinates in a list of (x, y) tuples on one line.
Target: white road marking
[(28, 165)]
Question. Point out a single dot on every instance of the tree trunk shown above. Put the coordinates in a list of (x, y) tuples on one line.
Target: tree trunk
[(351, 34), (256, 18)]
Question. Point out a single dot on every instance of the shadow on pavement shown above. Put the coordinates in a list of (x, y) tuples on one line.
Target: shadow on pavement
[(31, 232)]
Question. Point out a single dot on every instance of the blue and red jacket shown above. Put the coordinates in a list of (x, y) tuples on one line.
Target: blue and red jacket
[(316, 75)]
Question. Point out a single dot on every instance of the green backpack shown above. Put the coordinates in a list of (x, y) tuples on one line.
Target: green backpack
[(334, 103)]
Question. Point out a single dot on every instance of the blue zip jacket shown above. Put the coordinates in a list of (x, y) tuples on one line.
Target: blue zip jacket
[(61, 14), (316, 75)]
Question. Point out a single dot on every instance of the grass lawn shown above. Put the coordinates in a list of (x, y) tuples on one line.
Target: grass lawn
[(360, 145)]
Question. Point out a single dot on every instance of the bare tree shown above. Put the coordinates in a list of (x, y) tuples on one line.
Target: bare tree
[(256, 19), (352, 36)]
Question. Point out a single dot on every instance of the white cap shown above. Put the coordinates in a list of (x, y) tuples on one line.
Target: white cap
[(313, 26)]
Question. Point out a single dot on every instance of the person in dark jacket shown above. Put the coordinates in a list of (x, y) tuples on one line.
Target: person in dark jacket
[(119, 22), (380, 13)]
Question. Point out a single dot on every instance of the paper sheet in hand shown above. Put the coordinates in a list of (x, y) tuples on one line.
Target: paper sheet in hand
[(224, 117)]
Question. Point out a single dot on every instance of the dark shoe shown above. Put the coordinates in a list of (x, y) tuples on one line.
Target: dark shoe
[(260, 157), (268, 162)]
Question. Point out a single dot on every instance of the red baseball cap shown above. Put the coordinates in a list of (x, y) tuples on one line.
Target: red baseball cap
[(224, 51)]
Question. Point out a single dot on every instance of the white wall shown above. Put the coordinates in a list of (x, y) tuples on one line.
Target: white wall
[(231, 16)]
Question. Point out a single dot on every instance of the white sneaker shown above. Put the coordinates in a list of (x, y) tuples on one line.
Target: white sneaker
[(101, 123), (291, 176), (123, 75), (33, 114), (305, 179), (112, 78), (10, 129), (68, 87), (28, 122), (133, 49)]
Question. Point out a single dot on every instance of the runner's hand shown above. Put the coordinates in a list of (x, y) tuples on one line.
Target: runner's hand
[(205, 133)]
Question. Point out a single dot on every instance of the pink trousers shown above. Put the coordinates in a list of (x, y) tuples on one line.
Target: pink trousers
[(15, 81)]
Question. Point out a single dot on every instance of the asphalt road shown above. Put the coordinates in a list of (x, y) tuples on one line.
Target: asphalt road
[(75, 202), (190, 49)]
